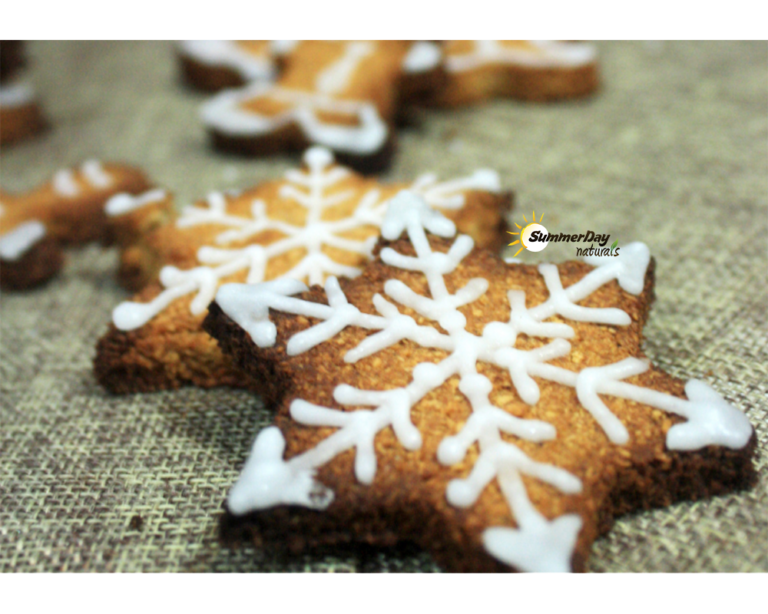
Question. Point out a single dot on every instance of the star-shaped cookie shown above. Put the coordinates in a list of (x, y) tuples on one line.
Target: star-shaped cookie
[(317, 221), (499, 415), (67, 210)]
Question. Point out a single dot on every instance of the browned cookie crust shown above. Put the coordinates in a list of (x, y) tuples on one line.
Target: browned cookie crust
[(207, 78), (34, 268), (291, 141), (20, 123), (407, 499)]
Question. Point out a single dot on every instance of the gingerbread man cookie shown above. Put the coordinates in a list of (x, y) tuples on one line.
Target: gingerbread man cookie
[(319, 220), (499, 415), (68, 209), (344, 95), (20, 115)]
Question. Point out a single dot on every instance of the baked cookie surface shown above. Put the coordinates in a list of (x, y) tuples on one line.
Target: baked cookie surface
[(317, 221), (498, 415), (67, 210)]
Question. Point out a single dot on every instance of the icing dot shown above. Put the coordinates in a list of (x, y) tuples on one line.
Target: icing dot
[(95, 174), (123, 203), (16, 95), (318, 158), (14, 244), (422, 56), (64, 183)]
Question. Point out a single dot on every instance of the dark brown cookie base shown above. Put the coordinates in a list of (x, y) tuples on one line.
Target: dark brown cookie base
[(126, 363), (20, 123), (718, 471), (11, 58), (291, 140), (41, 262), (205, 78)]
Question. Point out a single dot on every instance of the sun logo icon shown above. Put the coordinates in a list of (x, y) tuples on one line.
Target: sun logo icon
[(527, 239)]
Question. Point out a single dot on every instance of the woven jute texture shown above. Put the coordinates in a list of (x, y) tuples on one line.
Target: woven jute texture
[(673, 152)]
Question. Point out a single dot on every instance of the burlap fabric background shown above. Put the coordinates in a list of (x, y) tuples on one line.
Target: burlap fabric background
[(674, 152)]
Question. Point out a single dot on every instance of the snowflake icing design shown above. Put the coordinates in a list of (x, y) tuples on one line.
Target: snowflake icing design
[(312, 189), (536, 543)]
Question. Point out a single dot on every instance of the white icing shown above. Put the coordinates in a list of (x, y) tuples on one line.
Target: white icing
[(92, 172), (447, 195), (123, 203), (95, 174), (229, 54), (313, 190), (224, 114), (535, 543), (337, 76), (541, 545), (14, 95), (15, 243), (539, 54), (65, 184), (279, 47), (422, 57), (275, 480)]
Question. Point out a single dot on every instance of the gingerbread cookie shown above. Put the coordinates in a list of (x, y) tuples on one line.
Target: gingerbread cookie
[(20, 115), (344, 95), (526, 70), (347, 95), (499, 415), (319, 220), (68, 209)]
